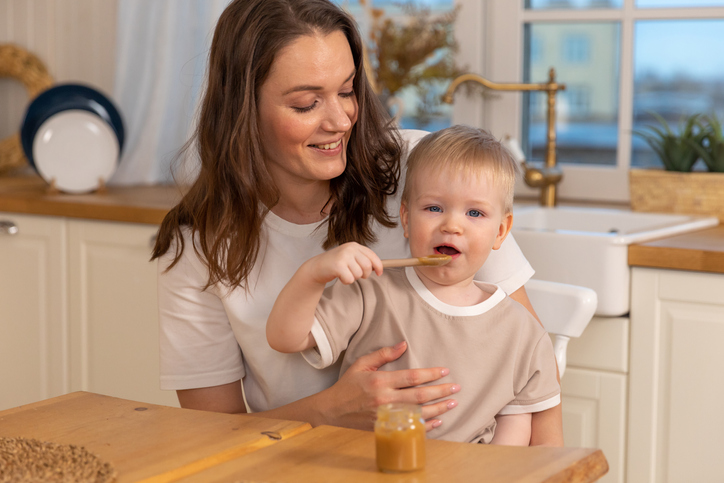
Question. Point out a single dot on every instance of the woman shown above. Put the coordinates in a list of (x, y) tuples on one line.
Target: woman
[(296, 157)]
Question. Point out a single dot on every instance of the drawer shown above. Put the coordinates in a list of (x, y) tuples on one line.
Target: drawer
[(603, 345)]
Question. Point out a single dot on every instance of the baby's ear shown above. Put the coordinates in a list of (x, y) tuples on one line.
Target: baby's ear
[(506, 223), (404, 218)]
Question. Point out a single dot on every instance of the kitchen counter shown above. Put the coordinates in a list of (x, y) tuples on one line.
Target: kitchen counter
[(136, 204), (700, 251)]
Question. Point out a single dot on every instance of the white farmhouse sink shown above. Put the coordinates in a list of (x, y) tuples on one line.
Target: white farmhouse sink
[(589, 246)]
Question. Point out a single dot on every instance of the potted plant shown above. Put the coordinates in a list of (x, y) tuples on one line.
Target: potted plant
[(676, 188)]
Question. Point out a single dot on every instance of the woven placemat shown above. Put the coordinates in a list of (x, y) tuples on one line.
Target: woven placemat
[(30, 460)]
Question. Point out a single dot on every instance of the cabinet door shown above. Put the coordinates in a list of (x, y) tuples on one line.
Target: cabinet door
[(677, 336), (114, 311), (594, 415), (33, 311)]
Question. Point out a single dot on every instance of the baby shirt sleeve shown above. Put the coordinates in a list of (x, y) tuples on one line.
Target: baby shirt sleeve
[(338, 316), (536, 384)]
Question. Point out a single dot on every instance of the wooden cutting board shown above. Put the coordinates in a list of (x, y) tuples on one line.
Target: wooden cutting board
[(145, 442), (330, 454)]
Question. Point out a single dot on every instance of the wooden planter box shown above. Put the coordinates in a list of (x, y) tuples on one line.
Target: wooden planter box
[(656, 190)]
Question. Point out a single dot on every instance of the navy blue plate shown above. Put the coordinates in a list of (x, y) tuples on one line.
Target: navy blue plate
[(63, 97)]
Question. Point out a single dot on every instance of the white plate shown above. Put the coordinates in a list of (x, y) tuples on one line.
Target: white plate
[(77, 149)]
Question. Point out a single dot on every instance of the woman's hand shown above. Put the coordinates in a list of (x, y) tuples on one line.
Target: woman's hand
[(352, 402)]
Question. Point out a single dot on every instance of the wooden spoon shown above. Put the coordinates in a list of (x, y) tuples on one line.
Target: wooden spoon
[(430, 261)]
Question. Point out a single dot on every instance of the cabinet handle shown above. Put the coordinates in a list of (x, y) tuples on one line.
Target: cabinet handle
[(8, 228)]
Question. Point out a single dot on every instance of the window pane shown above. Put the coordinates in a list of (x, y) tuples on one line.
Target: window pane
[(678, 72), (420, 108), (578, 4), (678, 3), (586, 59)]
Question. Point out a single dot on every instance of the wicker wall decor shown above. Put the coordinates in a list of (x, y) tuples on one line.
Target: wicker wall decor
[(18, 63)]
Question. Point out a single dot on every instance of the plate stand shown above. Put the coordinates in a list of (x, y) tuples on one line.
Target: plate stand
[(52, 189)]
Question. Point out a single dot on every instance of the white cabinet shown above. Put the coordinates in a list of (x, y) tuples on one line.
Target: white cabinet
[(114, 311), (78, 310), (33, 309), (676, 388), (594, 392)]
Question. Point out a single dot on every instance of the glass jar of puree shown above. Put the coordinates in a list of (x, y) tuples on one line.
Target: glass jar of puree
[(400, 437)]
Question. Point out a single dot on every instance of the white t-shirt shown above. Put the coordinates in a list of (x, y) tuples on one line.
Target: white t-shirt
[(214, 337)]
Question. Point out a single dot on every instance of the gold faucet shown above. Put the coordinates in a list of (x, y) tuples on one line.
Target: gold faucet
[(550, 174)]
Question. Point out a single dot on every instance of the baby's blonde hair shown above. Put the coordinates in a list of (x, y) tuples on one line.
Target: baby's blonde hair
[(468, 150)]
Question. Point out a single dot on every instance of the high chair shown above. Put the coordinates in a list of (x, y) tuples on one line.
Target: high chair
[(565, 311)]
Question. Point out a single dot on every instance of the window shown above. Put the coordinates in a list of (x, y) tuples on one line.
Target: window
[(586, 57), (620, 60), (576, 48), (416, 108)]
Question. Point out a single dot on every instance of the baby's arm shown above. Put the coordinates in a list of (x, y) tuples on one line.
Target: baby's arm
[(512, 429), (290, 322)]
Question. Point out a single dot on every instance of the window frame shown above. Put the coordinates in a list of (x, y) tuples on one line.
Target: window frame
[(496, 52)]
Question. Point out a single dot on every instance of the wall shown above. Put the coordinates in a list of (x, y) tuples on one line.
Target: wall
[(75, 39)]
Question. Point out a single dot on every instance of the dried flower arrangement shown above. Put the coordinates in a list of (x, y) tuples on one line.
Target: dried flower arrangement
[(416, 52)]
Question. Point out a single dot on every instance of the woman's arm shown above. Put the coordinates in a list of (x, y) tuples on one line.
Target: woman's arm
[(546, 426), (352, 401), (226, 398)]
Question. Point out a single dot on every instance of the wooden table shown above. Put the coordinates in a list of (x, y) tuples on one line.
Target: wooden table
[(145, 442), (331, 454), (155, 444)]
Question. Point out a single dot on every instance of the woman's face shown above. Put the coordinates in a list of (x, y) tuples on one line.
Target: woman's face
[(307, 108)]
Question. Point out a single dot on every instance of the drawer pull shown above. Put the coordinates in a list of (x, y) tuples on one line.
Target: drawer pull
[(8, 228)]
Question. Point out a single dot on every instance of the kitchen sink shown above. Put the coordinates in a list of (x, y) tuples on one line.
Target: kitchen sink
[(589, 246)]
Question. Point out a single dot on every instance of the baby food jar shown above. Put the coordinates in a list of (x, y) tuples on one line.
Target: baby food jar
[(400, 437)]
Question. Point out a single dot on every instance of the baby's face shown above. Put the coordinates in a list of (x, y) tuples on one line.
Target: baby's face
[(453, 214)]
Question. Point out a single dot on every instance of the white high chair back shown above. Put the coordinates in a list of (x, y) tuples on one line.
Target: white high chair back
[(565, 311)]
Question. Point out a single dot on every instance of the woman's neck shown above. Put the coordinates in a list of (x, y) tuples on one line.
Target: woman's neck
[(303, 204)]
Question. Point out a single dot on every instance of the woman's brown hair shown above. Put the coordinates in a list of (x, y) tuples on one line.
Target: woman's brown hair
[(233, 192)]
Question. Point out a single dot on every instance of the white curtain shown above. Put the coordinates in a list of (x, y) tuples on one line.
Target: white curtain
[(161, 56)]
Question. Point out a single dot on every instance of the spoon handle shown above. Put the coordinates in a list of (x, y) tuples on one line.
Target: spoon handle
[(401, 262)]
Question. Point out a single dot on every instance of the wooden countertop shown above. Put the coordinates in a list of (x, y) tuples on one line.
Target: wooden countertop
[(145, 442), (137, 204), (331, 454), (701, 251), (158, 444)]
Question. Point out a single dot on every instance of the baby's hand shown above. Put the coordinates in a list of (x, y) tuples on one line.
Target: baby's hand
[(348, 262)]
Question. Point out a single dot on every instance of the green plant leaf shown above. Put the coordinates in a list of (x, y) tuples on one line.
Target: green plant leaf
[(677, 151), (712, 148)]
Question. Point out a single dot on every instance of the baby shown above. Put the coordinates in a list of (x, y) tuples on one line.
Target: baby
[(457, 201)]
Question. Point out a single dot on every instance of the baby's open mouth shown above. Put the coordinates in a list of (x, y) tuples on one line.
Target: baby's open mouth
[(446, 250)]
